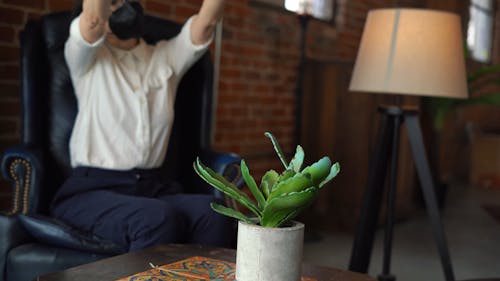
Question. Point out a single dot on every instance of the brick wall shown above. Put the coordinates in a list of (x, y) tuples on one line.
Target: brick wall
[(260, 53)]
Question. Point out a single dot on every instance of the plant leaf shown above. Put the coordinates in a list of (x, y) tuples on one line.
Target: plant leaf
[(230, 213), (277, 148), (297, 159), (293, 214), (319, 170), (220, 183), (286, 175), (484, 99), (334, 170), (474, 88), (268, 181), (441, 107), (484, 71), (297, 183), (252, 185), (282, 207)]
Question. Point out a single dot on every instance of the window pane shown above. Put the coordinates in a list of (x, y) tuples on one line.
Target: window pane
[(480, 29), (321, 9)]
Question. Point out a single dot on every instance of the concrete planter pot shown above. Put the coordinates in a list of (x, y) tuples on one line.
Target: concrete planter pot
[(269, 254)]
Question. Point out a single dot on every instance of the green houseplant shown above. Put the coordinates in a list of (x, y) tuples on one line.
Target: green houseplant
[(483, 85), (270, 243), (440, 108), (280, 197)]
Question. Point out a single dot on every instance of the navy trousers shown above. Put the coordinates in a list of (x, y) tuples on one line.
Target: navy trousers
[(136, 209)]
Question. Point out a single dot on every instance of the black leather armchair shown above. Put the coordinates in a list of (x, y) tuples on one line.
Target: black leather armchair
[(32, 244)]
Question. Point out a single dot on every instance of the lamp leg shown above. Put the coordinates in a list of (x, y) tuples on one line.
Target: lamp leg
[(391, 200), (363, 240), (426, 183), (365, 232)]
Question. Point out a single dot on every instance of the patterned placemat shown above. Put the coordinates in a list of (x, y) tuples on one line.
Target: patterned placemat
[(191, 269)]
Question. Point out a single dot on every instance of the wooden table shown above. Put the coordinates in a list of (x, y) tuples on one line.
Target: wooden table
[(124, 265)]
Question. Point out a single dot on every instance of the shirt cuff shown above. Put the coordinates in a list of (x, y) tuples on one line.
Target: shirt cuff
[(186, 34), (75, 33)]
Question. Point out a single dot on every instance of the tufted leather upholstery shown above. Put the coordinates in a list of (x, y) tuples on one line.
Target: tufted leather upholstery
[(40, 164)]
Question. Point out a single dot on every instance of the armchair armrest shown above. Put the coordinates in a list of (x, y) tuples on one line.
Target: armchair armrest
[(22, 166), (12, 234), (228, 165), (224, 163)]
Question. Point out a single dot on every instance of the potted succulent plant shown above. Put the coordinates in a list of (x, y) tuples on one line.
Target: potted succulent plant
[(270, 243)]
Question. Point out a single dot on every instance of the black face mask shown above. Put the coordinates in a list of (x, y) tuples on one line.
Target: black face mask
[(127, 22)]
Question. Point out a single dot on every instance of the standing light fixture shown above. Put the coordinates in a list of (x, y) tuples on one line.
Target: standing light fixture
[(302, 8), (404, 52), (305, 10)]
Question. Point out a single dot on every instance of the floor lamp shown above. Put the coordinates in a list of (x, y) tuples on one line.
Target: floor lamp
[(404, 52), (304, 19)]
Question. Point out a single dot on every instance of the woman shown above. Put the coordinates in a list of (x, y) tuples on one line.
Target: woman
[(125, 90)]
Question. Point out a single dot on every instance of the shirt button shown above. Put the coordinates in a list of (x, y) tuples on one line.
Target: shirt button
[(138, 176)]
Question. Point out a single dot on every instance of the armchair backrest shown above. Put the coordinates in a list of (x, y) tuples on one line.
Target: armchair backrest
[(49, 104)]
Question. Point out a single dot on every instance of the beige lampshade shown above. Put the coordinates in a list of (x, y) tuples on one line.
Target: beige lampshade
[(411, 52)]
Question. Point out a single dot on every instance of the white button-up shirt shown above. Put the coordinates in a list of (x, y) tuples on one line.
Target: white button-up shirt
[(125, 98)]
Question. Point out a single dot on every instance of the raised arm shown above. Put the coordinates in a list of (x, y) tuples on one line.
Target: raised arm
[(93, 19), (203, 25)]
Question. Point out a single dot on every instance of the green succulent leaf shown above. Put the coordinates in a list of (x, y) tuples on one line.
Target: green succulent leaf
[(277, 148), (252, 185), (293, 214), (334, 170), (297, 159), (286, 175), (268, 181), (220, 183), (296, 183), (281, 208), (230, 213), (319, 170)]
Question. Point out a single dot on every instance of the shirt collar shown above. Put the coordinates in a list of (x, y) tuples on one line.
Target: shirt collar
[(139, 51)]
